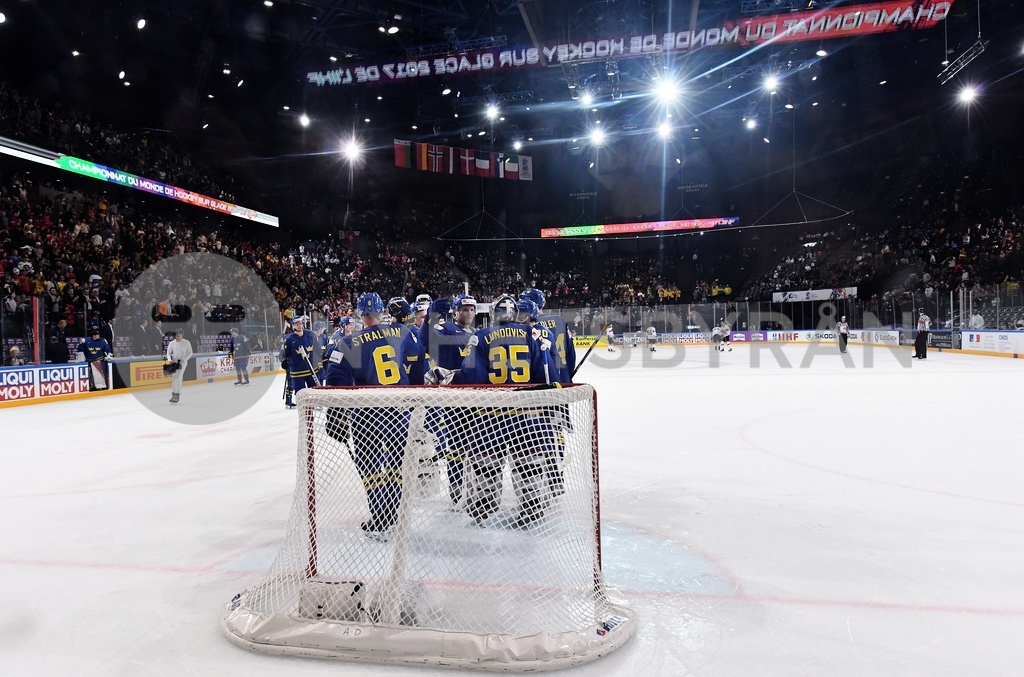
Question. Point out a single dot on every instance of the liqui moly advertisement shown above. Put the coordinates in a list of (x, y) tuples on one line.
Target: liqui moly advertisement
[(29, 383)]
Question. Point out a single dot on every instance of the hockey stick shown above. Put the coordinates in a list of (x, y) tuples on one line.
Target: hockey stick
[(312, 371), (587, 354)]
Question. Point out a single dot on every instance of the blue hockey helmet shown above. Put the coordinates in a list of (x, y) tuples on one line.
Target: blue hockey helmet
[(527, 309), (234, 330), (343, 320), (504, 309), (463, 301), (399, 308), (535, 295), (370, 303)]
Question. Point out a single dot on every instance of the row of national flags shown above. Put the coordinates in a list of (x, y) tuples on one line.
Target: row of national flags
[(429, 157)]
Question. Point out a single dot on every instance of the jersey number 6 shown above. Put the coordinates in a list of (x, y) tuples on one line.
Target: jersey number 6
[(385, 365)]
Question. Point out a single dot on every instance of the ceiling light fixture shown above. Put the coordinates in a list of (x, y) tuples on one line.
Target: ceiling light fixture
[(226, 71), (304, 120), (75, 52), (141, 24), (446, 91), (333, 59), (240, 83), (120, 76)]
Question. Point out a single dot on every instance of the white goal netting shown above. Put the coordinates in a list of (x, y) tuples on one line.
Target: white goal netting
[(455, 526)]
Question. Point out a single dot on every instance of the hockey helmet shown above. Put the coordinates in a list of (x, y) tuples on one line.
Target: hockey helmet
[(504, 309), (527, 309), (399, 308), (343, 320), (319, 325), (234, 330), (424, 298), (463, 301), (370, 303), (535, 295)]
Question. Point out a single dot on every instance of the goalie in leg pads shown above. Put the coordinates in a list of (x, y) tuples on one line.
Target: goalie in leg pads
[(96, 351), (506, 353)]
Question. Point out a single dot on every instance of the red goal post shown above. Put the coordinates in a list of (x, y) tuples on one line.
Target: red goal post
[(503, 575)]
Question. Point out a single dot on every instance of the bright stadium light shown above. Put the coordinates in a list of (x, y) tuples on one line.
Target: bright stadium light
[(665, 130), (751, 123), (587, 99), (771, 82), (666, 90), (821, 52), (518, 145), (304, 120), (141, 24), (3, 17), (351, 150), (491, 111), (598, 137), (968, 94)]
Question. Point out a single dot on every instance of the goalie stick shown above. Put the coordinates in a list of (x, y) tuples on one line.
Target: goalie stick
[(587, 354)]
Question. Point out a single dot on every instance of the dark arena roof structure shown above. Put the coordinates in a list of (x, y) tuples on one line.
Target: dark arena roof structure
[(232, 79)]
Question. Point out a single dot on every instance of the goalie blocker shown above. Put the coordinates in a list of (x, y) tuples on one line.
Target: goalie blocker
[(441, 590)]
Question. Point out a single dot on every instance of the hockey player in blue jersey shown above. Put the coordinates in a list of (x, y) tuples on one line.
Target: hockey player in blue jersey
[(563, 354), (445, 343), (506, 353), (297, 354), (402, 313), (239, 351), (96, 351), (375, 355)]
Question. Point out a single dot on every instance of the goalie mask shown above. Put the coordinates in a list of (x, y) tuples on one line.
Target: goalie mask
[(504, 309)]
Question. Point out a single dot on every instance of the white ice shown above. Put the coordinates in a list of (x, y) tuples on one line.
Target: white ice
[(824, 521)]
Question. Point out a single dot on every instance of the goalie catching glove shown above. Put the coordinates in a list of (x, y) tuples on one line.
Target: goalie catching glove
[(171, 367), (439, 375)]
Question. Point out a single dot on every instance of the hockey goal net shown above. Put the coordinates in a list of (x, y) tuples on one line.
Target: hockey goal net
[(453, 526)]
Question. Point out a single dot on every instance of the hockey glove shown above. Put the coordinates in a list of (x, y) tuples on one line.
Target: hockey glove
[(545, 344), (438, 375), (441, 306), (473, 342)]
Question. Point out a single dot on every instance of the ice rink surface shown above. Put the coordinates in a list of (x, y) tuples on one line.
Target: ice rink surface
[(832, 520)]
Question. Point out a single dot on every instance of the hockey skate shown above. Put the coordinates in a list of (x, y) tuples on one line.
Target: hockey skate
[(238, 382), (174, 398), (379, 529)]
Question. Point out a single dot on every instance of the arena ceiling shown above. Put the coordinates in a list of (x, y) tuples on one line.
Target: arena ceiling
[(239, 69)]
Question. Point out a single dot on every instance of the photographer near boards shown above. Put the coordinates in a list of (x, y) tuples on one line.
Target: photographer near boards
[(179, 352)]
